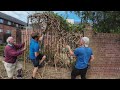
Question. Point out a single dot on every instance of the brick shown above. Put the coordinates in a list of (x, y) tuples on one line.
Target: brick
[(107, 55)]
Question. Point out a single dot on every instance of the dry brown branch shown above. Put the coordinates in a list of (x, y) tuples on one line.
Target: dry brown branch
[(56, 38)]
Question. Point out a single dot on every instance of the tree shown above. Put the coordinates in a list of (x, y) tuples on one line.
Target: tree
[(102, 21)]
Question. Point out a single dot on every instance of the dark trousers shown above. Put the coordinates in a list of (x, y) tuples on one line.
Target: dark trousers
[(82, 72), (36, 61)]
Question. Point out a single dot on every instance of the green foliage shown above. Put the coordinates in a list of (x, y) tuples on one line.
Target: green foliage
[(1, 47), (63, 23), (66, 25), (102, 21), (1, 50)]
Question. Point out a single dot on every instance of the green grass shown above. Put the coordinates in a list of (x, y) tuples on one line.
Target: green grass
[(1, 49)]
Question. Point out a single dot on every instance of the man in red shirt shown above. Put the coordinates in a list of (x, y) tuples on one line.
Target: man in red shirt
[(11, 52)]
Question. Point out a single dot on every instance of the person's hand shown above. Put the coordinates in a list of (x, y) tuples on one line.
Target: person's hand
[(24, 49), (41, 38), (67, 46), (25, 40), (24, 45), (43, 32)]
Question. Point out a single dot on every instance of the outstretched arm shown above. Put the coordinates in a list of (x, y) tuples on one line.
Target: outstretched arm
[(70, 50), (19, 46), (15, 53), (41, 38)]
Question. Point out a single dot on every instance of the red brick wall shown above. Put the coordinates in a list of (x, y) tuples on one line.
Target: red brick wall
[(14, 32), (5, 27), (106, 48)]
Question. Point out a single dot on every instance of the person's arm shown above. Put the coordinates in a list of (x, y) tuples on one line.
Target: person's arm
[(36, 48), (92, 58), (41, 38), (75, 53), (70, 50), (15, 53), (36, 54), (19, 46)]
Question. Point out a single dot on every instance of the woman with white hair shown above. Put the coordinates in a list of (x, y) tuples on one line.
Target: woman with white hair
[(11, 52), (84, 54)]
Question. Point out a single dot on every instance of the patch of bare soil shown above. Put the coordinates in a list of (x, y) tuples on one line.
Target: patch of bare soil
[(46, 72)]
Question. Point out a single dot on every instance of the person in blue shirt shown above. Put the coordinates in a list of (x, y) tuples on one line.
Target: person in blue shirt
[(84, 55), (35, 56)]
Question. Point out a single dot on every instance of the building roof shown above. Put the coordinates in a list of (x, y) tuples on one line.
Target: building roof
[(10, 18)]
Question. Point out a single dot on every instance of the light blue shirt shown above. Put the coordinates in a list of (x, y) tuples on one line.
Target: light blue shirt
[(83, 55), (34, 47)]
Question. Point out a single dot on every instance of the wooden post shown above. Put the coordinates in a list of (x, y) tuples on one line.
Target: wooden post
[(26, 34), (25, 51)]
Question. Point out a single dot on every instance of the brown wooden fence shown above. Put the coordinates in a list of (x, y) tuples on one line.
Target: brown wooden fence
[(53, 45)]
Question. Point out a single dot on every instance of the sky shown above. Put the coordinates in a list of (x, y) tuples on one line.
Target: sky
[(22, 15)]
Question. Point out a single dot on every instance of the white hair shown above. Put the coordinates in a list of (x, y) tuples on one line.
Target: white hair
[(8, 39), (86, 41)]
